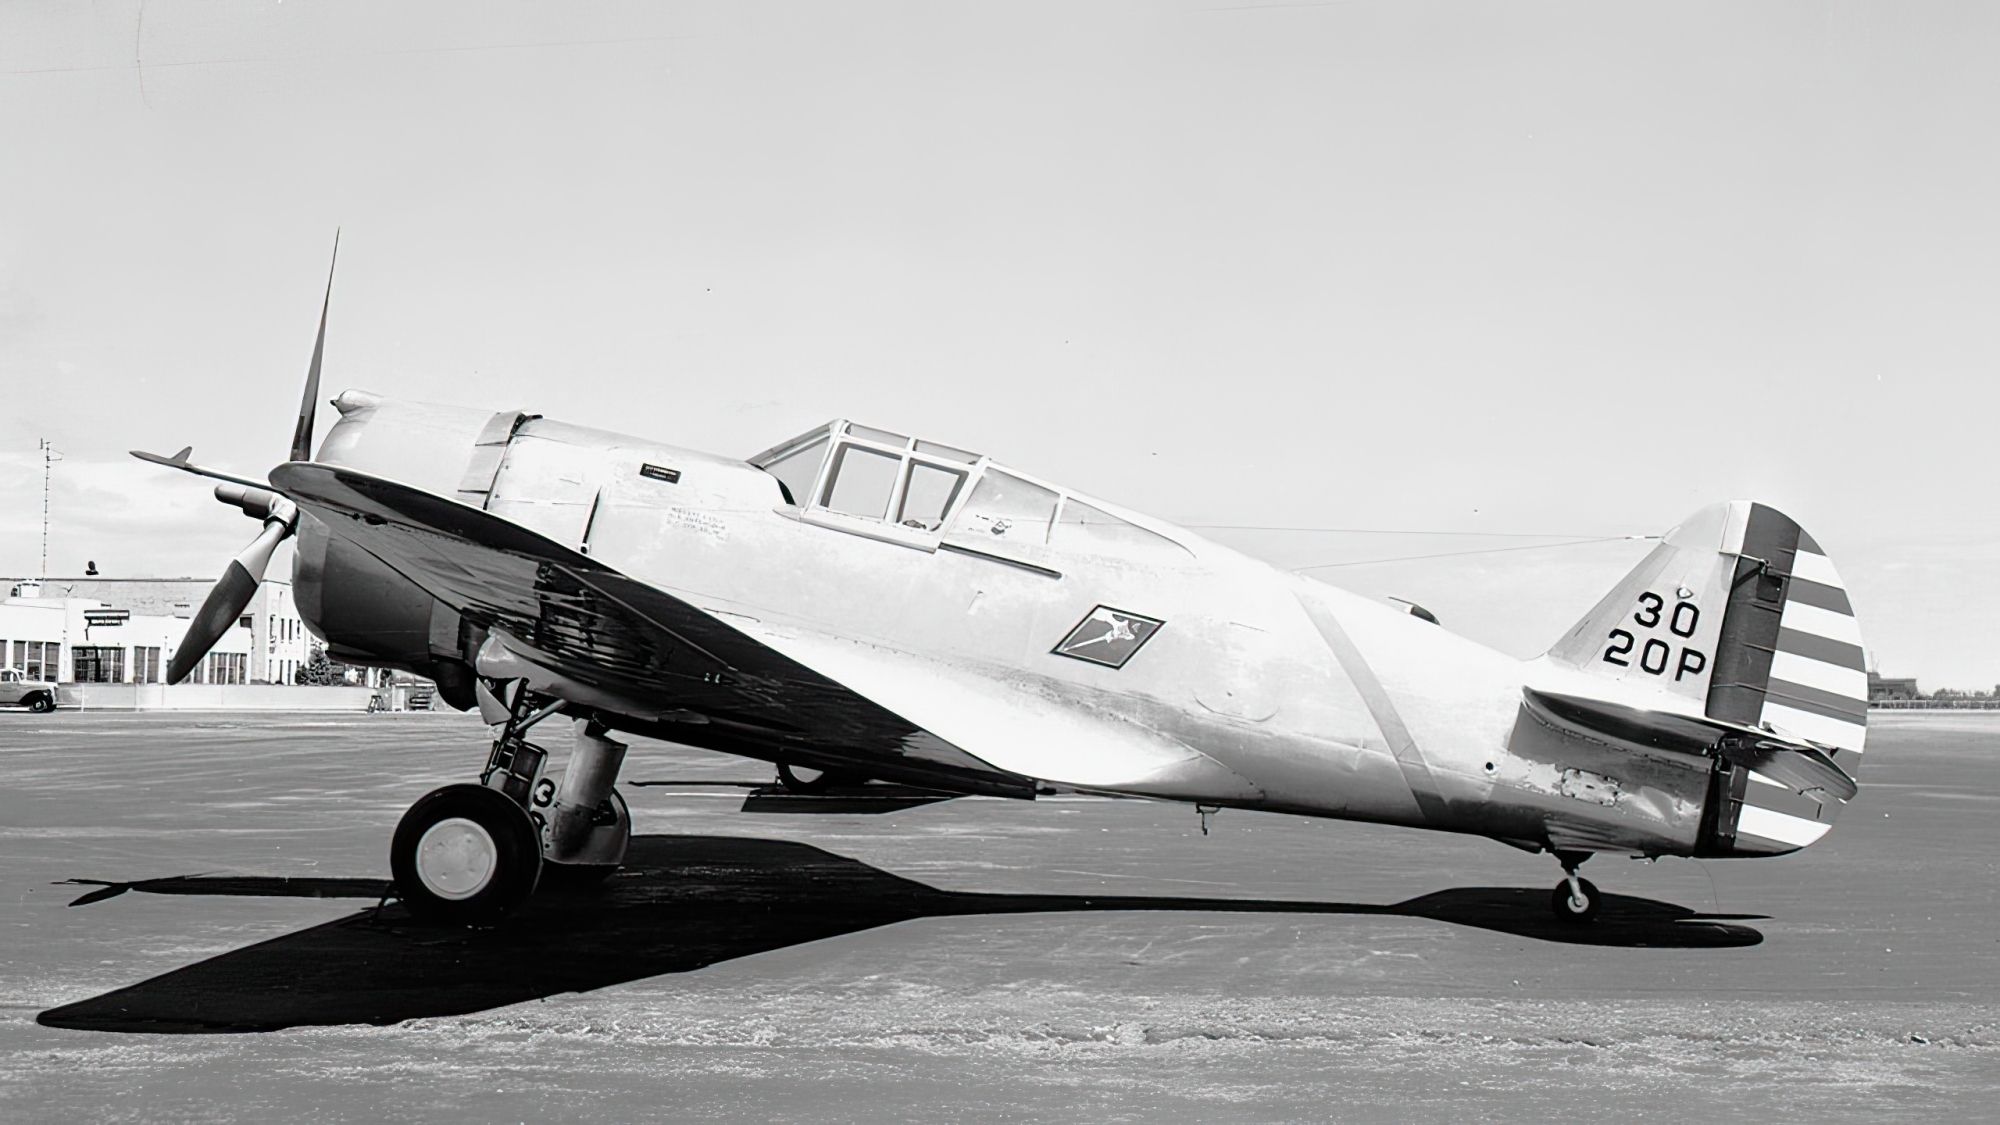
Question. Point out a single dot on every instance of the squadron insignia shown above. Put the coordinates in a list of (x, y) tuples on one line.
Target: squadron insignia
[(1108, 636)]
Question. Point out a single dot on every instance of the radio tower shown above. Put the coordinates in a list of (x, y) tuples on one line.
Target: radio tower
[(49, 459)]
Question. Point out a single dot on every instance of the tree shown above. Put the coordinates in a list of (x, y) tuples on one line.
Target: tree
[(318, 671)]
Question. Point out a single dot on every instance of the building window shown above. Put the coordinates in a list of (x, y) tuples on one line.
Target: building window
[(227, 667), (99, 664), (38, 657), (145, 665)]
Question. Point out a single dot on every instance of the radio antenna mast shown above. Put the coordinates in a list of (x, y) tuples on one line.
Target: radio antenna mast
[(49, 459)]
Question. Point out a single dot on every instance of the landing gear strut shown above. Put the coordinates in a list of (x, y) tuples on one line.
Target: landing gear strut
[(588, 825), (468, 854), (1575, 899)]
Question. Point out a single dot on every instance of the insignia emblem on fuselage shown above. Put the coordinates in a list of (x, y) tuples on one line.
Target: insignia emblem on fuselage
[(1108, 636)]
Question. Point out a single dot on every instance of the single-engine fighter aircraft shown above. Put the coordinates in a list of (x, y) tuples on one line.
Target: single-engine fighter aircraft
[(858, 603)]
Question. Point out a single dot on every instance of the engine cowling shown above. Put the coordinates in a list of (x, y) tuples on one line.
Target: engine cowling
[(365, 611), (370, 615)]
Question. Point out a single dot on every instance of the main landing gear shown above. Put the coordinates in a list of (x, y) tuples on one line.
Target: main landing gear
[(1575, 899), (469, 853)]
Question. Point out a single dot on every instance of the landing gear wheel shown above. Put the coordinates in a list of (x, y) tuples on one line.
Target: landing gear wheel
[(805, 779), (465, 854), (41, 705), (1566, 906)]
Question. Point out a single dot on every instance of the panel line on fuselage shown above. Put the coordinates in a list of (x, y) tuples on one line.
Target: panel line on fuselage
[(1416, 769)]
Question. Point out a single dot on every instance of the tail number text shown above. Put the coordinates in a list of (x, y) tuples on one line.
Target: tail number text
[(1657, 654)]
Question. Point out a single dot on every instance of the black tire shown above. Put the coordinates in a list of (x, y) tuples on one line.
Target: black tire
[(476, 869), (41, 704), (1565, 907), (806, 779)]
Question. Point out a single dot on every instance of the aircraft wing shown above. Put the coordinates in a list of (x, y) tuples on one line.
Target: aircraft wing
[(1008, 724), (625, 636)]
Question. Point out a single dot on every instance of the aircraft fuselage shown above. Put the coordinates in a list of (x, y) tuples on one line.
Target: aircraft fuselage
[(1217, 678)]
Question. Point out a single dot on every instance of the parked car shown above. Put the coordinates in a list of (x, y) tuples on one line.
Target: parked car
[(17, 690)]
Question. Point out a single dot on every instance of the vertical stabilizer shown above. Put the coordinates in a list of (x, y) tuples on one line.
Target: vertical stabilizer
[(1738, 616)]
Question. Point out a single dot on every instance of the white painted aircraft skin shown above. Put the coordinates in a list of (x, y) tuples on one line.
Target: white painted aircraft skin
[(1822, 623), (1240, 698), (1793, 831), (1793, 668), (1814, 567)]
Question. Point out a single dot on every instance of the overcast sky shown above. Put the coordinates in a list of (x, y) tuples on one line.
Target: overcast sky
[(1574, 269)]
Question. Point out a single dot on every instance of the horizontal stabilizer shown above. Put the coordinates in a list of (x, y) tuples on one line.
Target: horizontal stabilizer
[(1797, 764), (1805, 768)]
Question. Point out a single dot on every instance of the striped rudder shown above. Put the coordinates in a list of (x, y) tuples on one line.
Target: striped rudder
[(1791, 642), (1797, 670)]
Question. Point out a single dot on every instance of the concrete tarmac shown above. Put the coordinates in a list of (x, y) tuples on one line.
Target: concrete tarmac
[(975, 960)]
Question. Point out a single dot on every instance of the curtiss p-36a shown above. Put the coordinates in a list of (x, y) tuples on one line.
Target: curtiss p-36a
[(861, 604)]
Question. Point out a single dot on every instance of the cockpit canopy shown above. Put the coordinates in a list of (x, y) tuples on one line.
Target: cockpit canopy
[(864, 477), (872, 474)]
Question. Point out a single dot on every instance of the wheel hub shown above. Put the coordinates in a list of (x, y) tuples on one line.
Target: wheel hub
[(455, 858)]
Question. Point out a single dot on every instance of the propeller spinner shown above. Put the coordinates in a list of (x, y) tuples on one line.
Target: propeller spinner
[(226, 601)]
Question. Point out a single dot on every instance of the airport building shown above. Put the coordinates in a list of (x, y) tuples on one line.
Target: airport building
[(124, 631), (1892, 688)]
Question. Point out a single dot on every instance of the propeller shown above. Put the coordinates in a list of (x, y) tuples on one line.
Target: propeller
[(238, 584), (225, 603), (302, 435)]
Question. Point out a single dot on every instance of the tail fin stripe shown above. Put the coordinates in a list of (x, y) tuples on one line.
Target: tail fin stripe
[(1821, 622), (1778, 797), (1803, 698), (1840, 733), (1815, 647), (1807, 592), (1781, 828), (1848, 683), (1752, 620), (1815, 568)]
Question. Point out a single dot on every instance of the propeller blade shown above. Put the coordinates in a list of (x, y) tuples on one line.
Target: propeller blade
[(224, 604), (180, 461), (302, 436)]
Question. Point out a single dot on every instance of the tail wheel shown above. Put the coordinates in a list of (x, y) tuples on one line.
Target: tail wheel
[(465, 854), (805, 779), (1569, 908), (41, 705)]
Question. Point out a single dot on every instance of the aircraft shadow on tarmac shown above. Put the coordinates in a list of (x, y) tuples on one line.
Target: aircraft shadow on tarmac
[(682, 903)]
